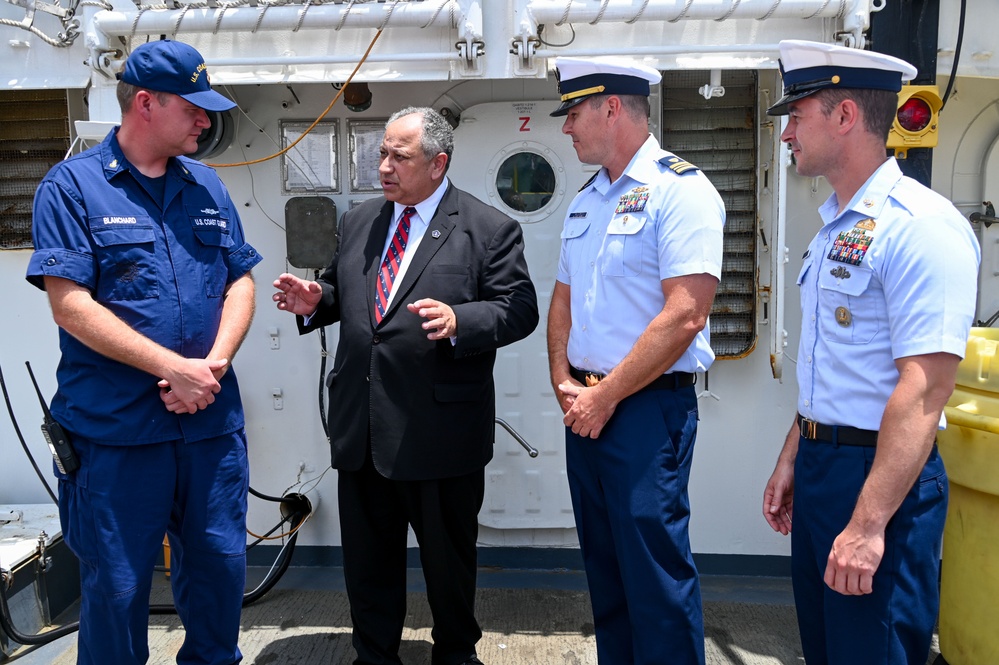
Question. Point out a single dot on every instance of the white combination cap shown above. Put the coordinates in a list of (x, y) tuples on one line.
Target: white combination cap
[(579, 78), (808, 67)]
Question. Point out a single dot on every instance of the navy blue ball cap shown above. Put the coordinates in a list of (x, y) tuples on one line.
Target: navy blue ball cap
[(580, 78), (174, 67), (808, 67)]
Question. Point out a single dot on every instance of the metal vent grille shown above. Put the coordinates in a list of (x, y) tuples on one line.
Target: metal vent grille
[(34, 136), (719, 136)]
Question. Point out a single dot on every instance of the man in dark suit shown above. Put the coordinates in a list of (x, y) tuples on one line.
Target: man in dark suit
[(426, 285)]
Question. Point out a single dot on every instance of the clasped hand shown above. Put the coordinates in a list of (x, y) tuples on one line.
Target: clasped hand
[(586, 413), (192, 385)]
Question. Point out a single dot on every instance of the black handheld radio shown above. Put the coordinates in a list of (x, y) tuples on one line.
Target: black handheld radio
[(62, 451)]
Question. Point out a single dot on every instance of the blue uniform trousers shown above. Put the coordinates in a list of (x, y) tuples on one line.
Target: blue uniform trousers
[(629, 496), (115, 510), (893, 625)]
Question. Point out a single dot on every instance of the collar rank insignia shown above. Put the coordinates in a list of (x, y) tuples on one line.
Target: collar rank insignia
[(592, 177)]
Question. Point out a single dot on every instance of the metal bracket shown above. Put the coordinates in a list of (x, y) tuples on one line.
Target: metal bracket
[(44, 560), (988, 218), (103, 61), (525, 47), (34, 5), (707, 390), (470, 53), (714, 87)]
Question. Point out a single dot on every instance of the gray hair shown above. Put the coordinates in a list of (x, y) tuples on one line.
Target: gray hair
[(437, 135), (636, 106)]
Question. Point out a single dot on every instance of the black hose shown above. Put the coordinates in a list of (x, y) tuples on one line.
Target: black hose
[(279, 570), (274, 528), (31, 640), (322, 376), (296, 508), (299, 508), (276, 572), (265, 497), (957, 54), (20, 437)]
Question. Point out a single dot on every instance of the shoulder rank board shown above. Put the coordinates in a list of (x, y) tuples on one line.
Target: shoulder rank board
[(677, 165)]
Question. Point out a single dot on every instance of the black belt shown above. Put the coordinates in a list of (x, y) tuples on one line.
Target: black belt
[(670, 381), (837, 434)]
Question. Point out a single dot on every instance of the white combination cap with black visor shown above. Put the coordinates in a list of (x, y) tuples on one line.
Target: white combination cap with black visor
[(581, 78), (808, 67)]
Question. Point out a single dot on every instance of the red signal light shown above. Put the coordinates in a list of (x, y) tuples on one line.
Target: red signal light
[(916, 120), (915, 114)]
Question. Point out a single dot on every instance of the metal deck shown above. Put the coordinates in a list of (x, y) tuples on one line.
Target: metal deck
[(527, 617)]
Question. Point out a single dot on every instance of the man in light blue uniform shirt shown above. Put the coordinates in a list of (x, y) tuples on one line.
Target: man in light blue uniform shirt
[(627, 329), (888, 290), (141, 253)]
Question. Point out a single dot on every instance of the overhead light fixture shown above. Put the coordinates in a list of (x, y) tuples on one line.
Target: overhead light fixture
[(357, 97)]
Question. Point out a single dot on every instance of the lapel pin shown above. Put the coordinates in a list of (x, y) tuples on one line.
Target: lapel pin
[(435, 234)]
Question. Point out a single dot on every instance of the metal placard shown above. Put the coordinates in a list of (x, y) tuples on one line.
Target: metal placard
[(311, 165), (364, 144)]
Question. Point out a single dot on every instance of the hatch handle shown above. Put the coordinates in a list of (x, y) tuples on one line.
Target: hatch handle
[(531, 450)]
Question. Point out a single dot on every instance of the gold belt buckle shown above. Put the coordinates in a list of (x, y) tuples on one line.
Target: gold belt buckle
[(809, 428), (591, 379)]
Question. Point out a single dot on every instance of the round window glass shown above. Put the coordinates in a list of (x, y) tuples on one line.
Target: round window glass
[(525, 181)]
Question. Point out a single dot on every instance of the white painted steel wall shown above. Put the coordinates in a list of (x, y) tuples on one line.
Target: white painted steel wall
[(743, 422)]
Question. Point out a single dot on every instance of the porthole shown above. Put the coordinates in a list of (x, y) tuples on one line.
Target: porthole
[(526, 181)]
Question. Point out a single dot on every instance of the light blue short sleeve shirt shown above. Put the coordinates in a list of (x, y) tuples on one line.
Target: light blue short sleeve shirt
[(621, 239), (894, 275)]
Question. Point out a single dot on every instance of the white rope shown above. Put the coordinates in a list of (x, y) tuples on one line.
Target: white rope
[(639, 14), (731, 10), (773, 8), (600, 13), (301, 15), (683, 12)]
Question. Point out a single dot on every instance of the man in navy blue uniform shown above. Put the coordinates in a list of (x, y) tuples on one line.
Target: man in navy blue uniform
[(142, 255), (888, 291)]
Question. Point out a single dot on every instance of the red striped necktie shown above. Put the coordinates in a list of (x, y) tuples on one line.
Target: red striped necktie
[(391, 263)]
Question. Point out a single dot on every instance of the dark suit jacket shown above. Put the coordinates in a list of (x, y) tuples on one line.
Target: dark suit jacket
[(429, 406)]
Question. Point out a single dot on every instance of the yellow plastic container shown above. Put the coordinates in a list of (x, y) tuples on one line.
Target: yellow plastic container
[(969, 586)]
